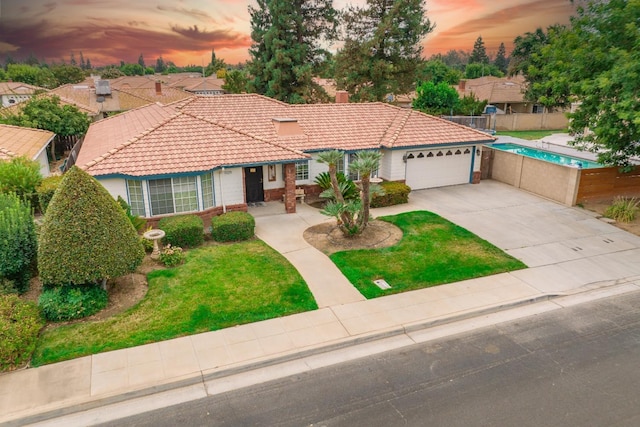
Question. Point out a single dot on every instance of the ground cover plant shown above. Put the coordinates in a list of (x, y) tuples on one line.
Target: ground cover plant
[(623, 209), (218, 286), (432, 251)]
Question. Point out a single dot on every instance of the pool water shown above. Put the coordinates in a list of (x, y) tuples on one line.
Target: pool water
[(559, 159)]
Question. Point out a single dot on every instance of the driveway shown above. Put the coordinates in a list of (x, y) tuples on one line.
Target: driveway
[(566, 248)]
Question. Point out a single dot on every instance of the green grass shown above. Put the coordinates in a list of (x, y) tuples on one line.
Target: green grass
[(531, 135), (432, 251), (217, 287)]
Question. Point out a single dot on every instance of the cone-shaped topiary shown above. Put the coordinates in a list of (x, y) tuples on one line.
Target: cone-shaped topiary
[(86, 236)]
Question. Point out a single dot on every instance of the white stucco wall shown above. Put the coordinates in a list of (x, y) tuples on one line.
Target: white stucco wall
[(477, 158), (395, 169), (270, 185), (44, 163), (229, 187), (115, 186)]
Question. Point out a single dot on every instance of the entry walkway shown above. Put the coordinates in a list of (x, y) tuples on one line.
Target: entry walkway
[(568, 251)]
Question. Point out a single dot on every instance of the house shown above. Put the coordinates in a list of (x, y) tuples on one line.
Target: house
[(212, 154), (101, 98), (16, 141), (12, 93), (200, 85), (506, 93)]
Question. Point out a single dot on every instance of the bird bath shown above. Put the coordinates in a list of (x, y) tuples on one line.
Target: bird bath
[(154, 235)]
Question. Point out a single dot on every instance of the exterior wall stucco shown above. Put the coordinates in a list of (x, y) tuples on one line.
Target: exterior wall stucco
[(115, 186)]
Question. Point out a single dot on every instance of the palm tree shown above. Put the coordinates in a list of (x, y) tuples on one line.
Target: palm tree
[(332, 158), (364, 165)]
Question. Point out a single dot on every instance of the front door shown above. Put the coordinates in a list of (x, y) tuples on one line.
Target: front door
[(253, 184)]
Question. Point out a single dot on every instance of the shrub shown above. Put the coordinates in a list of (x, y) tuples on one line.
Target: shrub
[(172, 256), (20, 176), (147, 244), (18, 244), (395, 193), (348, 187), (232, 227), (186, 231), (46, 189), (623, 209), (72, 302), (137, 221), (20, 322), (86, 236)]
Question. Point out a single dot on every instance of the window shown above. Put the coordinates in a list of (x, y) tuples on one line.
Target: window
[(184, 194), (136, 198), (302, 171), (353, 176), (207, 190), (340, 166), (161, 196)]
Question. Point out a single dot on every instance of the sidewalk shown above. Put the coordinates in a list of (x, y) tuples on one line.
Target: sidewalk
[(568, 251)]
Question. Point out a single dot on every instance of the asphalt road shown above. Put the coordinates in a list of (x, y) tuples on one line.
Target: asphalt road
[(577, 366)]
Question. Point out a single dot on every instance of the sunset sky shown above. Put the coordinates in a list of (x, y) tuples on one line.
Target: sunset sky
[(185, 31)]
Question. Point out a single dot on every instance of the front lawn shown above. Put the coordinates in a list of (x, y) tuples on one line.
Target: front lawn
[(432, 251), (217, 287)]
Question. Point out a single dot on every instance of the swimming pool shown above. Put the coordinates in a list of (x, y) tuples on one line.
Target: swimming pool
[(559, 159)]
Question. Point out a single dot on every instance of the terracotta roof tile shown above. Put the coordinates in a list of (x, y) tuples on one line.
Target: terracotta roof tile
[(20, 141), (239, 129)]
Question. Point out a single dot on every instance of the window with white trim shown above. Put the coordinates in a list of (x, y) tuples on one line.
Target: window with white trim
[(207, 190), (161, 196), (185, 195), (136, 197), (302, 170)]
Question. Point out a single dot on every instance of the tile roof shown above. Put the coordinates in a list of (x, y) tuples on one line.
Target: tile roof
[(64, 100), (18, 88), (107, 134), (495, 89), (206, 132), (18, 141), (166, 96)]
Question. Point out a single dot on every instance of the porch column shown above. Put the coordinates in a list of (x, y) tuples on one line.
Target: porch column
[(290, 187)]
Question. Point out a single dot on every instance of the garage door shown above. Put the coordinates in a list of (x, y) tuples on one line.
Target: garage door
[(437, 168)]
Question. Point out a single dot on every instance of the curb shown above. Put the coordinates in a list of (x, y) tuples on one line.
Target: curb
[(199, 378)]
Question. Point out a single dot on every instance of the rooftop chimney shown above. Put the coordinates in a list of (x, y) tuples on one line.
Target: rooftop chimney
[(342, 97), (287, 127), (462, 84), (158, 88)]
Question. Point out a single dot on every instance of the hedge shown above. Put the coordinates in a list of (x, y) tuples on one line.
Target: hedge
[(20, 323), (395, 193), (46, 189), (232, 226), (18, 245), (185, 231)]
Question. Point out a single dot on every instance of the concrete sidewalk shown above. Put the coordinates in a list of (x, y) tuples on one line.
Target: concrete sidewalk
[(569, 251)]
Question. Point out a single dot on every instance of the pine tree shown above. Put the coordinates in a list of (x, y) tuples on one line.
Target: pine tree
[(83, 65), (287, 37), (382, 50), (141, 61), (501, 61), (72, 60), (160, 65), (88, 65), (479, 53)]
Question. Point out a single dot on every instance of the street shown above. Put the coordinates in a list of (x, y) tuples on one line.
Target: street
[(576, 366)]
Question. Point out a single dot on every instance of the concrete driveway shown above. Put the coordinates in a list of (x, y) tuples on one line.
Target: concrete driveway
[(567, 249)]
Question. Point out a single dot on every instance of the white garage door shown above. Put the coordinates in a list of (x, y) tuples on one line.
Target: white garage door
[(437, 168)]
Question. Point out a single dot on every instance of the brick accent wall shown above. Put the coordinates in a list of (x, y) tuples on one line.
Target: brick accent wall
[(290, 187)]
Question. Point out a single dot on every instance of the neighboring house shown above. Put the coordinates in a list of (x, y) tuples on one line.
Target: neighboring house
[(212, 154), (103, 99), (506, 93), (17, 108), (203, 86), (12, 93), (16, 141)]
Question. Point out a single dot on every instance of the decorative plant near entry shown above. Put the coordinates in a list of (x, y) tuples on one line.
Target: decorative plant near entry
[(352, 215), (172, 256)]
